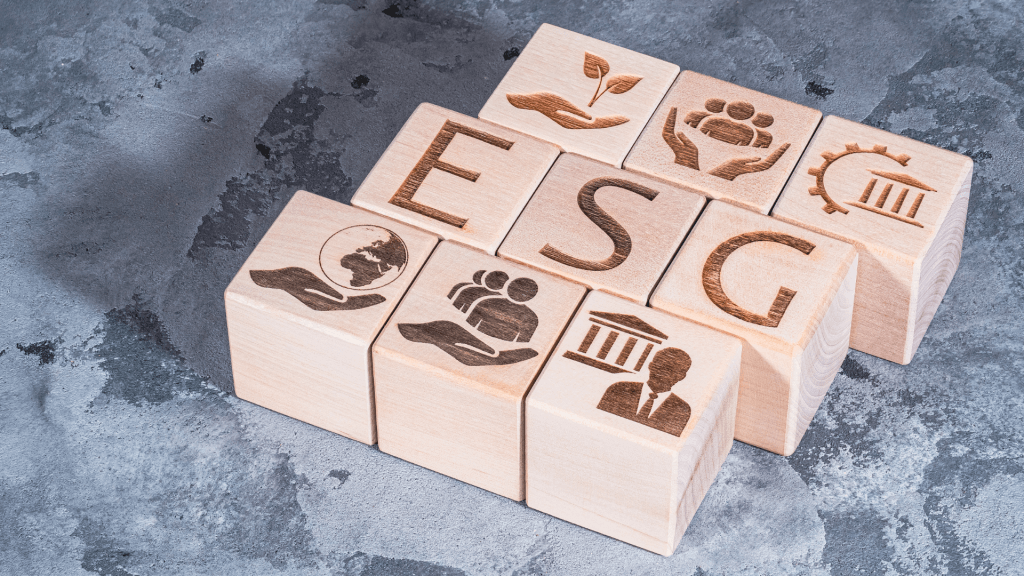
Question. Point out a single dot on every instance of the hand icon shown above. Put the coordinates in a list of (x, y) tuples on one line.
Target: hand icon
[(739, 166)]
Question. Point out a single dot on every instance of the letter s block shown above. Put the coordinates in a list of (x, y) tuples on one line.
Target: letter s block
[(461, 178), (307, 304), (610, 229), (788, 293)]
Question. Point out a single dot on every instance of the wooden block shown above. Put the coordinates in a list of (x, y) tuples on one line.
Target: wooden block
[(630, 421), (903, 204), (589, 97), (788, 293), (459, 177), (453, 364), (724, 141), (305, 307), (602, 226)]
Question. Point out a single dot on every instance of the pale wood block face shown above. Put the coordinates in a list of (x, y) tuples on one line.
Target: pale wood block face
[(724, 141), (456, 176), (587, 96), (603, 453), (903, 203), (307, 304), (788, 293), (601, 226), (453, 364)]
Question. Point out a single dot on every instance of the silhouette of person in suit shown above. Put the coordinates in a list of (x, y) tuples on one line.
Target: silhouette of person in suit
[(652, 403)]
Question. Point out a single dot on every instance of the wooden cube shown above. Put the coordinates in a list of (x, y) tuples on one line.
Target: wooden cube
[(903, 204), (630, 421), (724, 141), (308, 302), (589, 97), (788, 293), (453, 364), (602, 226), (459, 177)]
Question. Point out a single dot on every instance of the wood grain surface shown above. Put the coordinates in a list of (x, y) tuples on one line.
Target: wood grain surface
[(791, 354), (455, 361), (298, 344), (724, 141), (903, 203), (456, 176), (587, 96), (600, 453), (605, 227)]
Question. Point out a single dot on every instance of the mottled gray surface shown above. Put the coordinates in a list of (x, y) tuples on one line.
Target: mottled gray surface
[(147, 146)]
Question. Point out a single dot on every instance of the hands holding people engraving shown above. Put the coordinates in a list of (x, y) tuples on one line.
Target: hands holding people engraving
[(687, 153), (490, 312)]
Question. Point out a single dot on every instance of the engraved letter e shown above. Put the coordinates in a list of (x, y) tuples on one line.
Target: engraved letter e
[(712, 277), (432, 159)]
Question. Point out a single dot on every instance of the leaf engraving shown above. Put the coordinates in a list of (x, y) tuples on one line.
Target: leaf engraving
[(594, 66), (621, 83)]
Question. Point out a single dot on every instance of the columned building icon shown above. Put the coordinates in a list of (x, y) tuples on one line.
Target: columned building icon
[(617, 343), (900, 201)]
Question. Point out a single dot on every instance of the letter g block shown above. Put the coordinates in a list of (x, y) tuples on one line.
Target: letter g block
[(461, 178), (788, 293)]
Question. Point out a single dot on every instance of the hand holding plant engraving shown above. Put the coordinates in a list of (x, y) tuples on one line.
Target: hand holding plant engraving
[(568, 115)]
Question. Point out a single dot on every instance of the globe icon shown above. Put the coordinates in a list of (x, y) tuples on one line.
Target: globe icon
[(363, 257)]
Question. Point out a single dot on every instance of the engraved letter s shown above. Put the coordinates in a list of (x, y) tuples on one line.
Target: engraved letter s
[(614, 230), (712, 277)]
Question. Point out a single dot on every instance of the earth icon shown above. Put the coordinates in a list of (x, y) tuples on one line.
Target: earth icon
[(363, 257)]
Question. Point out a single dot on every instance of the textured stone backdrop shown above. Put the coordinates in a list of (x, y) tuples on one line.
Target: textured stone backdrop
[(147, 146)]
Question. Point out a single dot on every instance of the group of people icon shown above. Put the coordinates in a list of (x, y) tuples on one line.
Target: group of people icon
[(494, 307), (498, 315), (732, 130)]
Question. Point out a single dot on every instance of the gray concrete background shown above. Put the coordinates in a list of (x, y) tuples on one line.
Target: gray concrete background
[(147, 146)]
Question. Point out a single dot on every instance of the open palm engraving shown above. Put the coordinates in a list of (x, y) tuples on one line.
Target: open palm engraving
[(493, 307), (568, 115), (687, 154)]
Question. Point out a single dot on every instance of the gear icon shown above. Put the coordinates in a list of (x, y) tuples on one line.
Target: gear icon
[(830, 157)]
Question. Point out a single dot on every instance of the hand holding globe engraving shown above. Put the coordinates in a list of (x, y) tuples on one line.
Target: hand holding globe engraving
[(356, 258)]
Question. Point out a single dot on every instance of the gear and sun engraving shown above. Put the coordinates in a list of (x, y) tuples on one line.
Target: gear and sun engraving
[(864, 201)]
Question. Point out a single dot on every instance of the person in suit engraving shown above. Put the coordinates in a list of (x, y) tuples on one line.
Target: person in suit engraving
[(652, 403)]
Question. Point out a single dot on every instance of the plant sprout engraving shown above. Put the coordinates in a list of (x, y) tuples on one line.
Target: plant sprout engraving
[(596, 67), (568, 115)]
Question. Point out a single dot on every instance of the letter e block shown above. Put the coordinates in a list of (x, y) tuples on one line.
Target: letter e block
[(454, 363), (589, 97), (305, 307), (724, 141), (630, 421), (903, 204), (457, 176), (601, 226), (788, 293)]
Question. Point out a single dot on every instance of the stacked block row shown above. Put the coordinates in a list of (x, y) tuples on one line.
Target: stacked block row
[(582, 296)]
